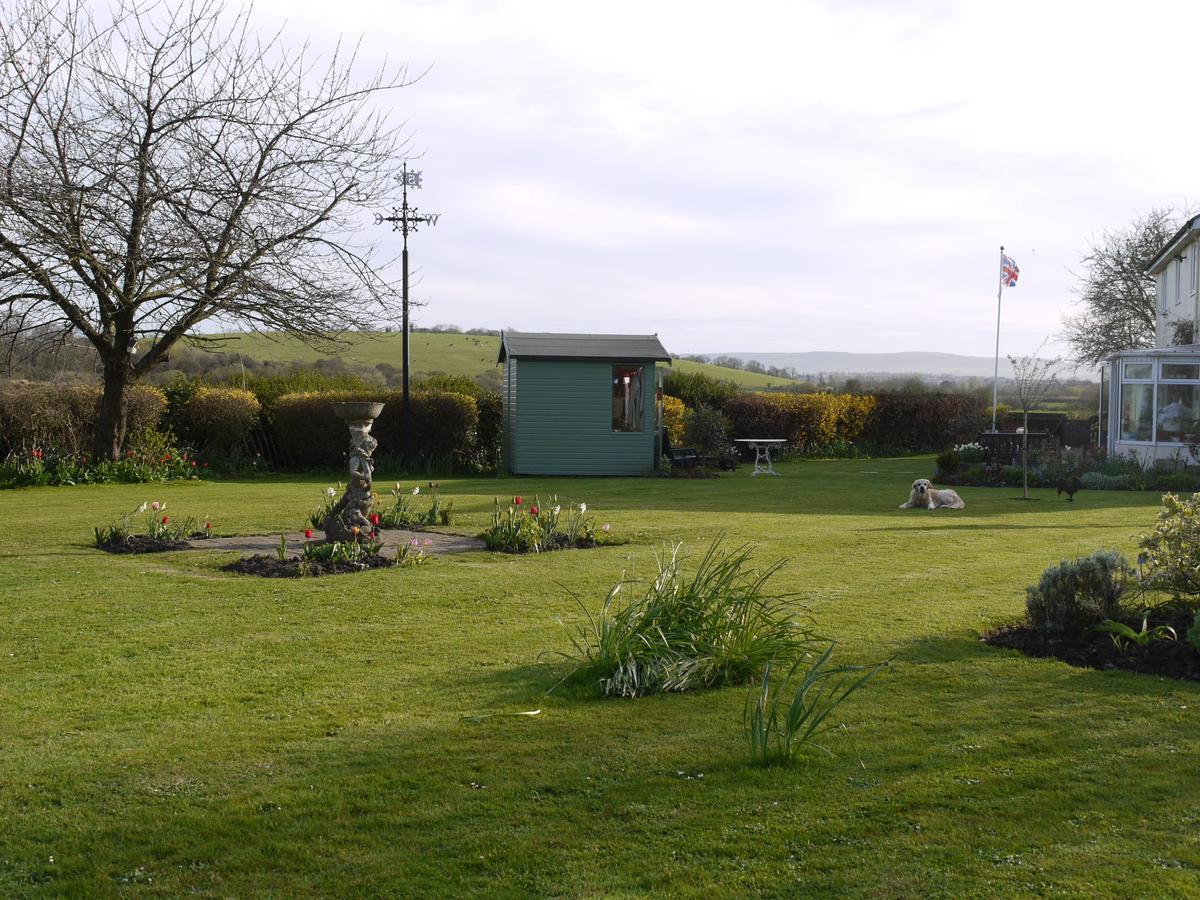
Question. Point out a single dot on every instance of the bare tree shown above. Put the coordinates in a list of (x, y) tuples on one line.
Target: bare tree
[(161, 166), (1119, 299), (1033, 378)]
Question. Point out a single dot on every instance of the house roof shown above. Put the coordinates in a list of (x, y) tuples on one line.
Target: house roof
[(619, 347), (1182, 236), (1177, 350)]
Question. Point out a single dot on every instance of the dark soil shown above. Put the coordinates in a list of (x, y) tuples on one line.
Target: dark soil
[(560, 542), (273, 567), (143, 543), (1095, 650)]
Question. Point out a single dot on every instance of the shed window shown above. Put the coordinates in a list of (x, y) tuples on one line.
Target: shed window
[(628, 397)]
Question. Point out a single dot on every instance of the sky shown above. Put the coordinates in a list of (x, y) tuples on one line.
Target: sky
[(775, 177)]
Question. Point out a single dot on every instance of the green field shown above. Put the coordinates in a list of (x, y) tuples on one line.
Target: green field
[(450, 354), (172, 729)]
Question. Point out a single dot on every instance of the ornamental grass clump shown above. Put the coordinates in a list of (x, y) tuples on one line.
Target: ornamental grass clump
[(681, 632), (784, 716)]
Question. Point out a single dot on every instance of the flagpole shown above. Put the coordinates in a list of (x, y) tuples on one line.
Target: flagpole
[(996, 366)]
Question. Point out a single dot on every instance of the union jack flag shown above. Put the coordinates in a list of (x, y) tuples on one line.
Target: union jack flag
[(1008, 271)]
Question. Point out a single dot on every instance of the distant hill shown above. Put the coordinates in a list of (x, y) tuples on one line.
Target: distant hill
[(447, 353), (908, 363)]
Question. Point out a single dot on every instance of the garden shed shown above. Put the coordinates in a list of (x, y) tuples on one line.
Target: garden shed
[(582, 404)]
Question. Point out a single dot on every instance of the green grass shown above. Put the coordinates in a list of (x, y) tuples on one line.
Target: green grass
[(452, 354), (171, 728)]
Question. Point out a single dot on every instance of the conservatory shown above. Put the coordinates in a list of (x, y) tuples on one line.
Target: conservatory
[(1154, 403)]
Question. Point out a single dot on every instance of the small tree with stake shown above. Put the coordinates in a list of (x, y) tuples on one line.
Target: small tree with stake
[(160, 167), (1034, 377)]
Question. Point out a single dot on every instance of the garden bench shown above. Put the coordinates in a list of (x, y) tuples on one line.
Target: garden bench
[(690, 457)]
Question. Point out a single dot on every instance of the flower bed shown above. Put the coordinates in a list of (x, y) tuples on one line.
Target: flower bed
[(1099, 612), (295, 567), (1069, 471), (1097, 650), (329, 558), (535, 527), (162, 533)]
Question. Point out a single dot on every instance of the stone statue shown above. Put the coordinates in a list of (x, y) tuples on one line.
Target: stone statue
[(353, 510)]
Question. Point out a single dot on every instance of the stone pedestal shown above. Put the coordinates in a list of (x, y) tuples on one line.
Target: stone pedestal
[(353, 510)]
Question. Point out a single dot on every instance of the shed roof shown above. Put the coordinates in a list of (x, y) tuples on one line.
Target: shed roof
[(544, 345)]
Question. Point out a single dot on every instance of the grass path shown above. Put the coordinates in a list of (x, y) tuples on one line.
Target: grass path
[(168, 727)]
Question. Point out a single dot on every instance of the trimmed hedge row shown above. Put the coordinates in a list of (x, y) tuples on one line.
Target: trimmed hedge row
[(62, 417), (444, 425), (215, 418), (882, 422), (808, 421), (922, 422)]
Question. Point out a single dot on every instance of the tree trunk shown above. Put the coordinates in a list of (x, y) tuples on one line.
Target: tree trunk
[(1025, 455), (109, 436)]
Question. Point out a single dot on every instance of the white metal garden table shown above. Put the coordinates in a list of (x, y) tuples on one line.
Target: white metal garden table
[(762, 453)]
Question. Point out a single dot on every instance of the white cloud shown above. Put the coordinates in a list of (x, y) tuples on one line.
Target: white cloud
[(778, 176)]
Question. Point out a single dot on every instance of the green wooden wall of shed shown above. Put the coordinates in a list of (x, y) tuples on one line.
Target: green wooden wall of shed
[(558, 420)]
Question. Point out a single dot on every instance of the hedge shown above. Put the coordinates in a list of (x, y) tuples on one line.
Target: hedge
[(892, 422), (697, 389), (62, 417), (809, 422), (675, 414), (215, 418), (918, 422), (444, 426)]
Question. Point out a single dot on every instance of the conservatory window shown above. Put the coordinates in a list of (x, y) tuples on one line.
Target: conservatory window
[(1134, 371), (628, 397), (1137, 412), (1186, 371), (1178, 412)]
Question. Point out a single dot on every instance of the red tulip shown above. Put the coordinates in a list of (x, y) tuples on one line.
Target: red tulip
[(308, 534), (166, 519), (374, 518), (517, 500), (533, 510)]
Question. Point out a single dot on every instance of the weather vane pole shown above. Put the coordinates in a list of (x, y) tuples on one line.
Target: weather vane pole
[(405, 219)]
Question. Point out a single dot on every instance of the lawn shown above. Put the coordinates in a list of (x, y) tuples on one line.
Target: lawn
[(170, 728)]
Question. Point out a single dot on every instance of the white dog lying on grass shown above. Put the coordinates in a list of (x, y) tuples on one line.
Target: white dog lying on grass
[(924, 495)]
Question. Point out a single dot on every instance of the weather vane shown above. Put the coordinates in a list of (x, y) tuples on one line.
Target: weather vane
[(405, 219)]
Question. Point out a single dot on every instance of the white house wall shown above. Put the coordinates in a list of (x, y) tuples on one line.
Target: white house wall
[(1177, 285)]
